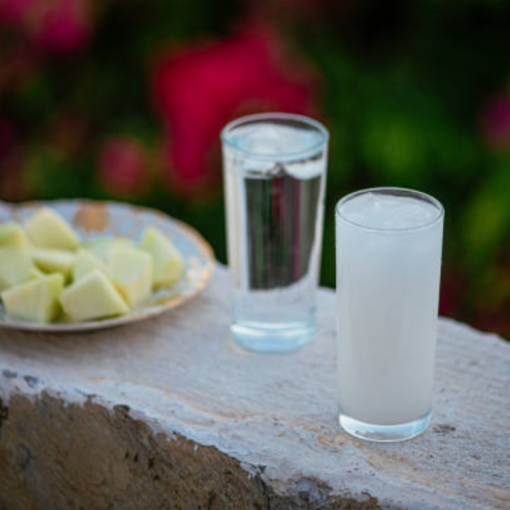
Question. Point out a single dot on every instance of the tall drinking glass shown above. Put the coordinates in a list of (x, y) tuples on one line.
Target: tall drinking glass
[(274, 177), (388, 271)]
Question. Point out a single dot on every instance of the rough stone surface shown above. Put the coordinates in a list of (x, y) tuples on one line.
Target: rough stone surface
[(170, 414)]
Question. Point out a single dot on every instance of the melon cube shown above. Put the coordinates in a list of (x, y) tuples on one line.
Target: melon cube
[(35, 300), (16, 266), (12, 234), (86, 262), (168, 262), (53, 261), (37, 273), (92, 297), (47, 229), (130, 270), (101, 246)]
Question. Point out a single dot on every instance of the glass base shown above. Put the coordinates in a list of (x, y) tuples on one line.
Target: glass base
[(272, 338), (384, 433)]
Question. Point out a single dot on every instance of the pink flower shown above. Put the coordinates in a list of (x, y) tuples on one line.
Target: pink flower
[(14, 12), (56, 26), (199, 89), (63, 26), (123, 167), (495, 122)]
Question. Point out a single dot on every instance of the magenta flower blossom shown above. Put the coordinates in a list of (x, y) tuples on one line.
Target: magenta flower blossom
[(200, 88), (55, 26), (496, 122), (123, 167), (14, 12)]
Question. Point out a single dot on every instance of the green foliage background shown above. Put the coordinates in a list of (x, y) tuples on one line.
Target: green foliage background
[(401, 85)]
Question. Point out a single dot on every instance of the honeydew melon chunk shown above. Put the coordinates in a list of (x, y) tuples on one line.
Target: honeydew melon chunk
[(84, 263), (16, 266), (53, 261), (12, 234), (92, 297), (47, 229), (130, 270), (37, 273), (168, 262), (36, 300), (101, 246)]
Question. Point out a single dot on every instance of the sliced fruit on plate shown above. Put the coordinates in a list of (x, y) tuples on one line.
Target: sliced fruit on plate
[(16, 266), (130, 270), (53, 261), (47, 229), (101, 246), (35, 300), (84, 263), (12, 234), (92, 297), (168, 263)]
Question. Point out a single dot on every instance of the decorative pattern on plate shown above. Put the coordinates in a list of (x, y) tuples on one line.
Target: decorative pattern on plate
[(94, 219)]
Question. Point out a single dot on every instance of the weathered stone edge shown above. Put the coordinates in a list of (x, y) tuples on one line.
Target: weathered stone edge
[(134, 457)]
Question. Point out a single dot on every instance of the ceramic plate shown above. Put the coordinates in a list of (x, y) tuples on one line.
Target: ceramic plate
[(93, 219)]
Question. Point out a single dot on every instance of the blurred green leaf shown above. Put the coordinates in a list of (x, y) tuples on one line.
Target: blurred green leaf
[(486, 222)]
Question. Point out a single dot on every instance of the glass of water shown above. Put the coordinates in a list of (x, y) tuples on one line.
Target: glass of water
[(274, 178), (388, 271)]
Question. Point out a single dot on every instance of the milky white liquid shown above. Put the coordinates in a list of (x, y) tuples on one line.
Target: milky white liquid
[(388, 272)]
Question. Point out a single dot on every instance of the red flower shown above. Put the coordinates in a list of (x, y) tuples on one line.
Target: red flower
[(496, 122), (56, 26), (123, 167), (63, 26), (199, 89), (13, 12)]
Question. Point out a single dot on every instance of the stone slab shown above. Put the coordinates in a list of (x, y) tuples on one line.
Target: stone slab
[(170, 414)]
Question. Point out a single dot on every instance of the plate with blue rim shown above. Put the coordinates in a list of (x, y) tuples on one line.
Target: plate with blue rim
[(94, 219)]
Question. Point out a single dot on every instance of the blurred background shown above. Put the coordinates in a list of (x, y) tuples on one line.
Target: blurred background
[(125, 100)]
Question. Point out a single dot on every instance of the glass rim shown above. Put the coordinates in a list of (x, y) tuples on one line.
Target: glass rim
[(276, 116), (420, 195)]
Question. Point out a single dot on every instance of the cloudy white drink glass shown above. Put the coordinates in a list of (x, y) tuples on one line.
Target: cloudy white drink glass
[(389, 243), (274, 178)]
